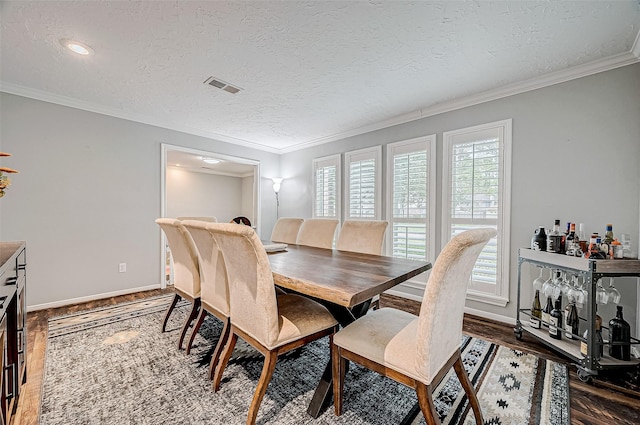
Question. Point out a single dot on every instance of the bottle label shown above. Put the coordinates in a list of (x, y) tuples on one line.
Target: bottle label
[(583, 348), (568, 331), (553, 326), (545, 317), (535, 322)]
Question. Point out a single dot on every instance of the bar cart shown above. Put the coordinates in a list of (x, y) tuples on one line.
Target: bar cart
[(591, 271)]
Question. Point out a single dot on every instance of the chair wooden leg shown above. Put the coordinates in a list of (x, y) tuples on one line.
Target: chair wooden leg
[(468, 388), (270, 361), (196, 327), (425, 399), (226, 355), (338, 366), (195, 307), (222, 341), (172, 305)]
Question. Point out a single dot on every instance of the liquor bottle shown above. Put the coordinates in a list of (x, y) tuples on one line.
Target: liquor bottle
[(563, 241), (572, 321), (539, 240), (554, 238), (620, 332), (572, 242), (583, 238), (605, 245), (536, 311), (599, 349), (594, 249), (555, 321), (546, 313)]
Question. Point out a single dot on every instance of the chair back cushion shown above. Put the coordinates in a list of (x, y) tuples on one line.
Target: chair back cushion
[(286, 230), (365, 236), (440, 321), (186, 273), (318, 232), (209, 219), (213, 273), (252, 295)]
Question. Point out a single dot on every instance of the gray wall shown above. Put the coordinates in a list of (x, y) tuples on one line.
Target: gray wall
[(576, 156), (195, 194), (87, 196)]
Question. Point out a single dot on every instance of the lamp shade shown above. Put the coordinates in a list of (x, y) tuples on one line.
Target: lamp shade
[(276, 184)]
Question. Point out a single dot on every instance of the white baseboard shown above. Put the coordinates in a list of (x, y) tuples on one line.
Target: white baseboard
[(62, 303), (474, 311)]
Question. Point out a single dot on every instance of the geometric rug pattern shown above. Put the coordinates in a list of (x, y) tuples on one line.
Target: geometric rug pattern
[(114, 366)]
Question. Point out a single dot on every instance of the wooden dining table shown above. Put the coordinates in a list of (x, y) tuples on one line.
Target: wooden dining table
[(345, 282)]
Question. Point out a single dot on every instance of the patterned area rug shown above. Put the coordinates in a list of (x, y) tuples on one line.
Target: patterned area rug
[(113, 366)]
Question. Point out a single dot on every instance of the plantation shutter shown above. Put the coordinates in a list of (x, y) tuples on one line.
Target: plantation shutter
[(326, 186), (363, 183)]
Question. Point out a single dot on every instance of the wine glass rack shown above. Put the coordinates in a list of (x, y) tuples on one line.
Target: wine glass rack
[(591, 271)]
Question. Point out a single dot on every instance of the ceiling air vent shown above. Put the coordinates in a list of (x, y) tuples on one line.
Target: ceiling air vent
[(219, 84)]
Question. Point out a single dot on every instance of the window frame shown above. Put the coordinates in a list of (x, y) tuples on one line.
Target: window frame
[(374, 153), (322, 162), (497, 294), (427, 144)]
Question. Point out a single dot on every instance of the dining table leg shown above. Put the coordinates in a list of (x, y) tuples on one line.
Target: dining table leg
[(324, 391)]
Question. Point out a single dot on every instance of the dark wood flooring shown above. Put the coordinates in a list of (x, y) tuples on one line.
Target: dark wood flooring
[(598, 403)]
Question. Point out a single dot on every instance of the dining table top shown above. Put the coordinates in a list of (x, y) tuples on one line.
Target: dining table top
[(341, 277)]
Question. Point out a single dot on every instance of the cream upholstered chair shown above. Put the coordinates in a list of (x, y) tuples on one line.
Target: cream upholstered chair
[(286, 230), (272, 324), (318, 232), (365, 236), (186, 270), (213, 283), (417, 351), (209, 219)]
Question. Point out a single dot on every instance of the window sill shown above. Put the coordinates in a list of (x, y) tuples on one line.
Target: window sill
[(483, 297)]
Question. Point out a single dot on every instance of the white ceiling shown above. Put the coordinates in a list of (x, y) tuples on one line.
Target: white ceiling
[(311, 71), (194, 162)]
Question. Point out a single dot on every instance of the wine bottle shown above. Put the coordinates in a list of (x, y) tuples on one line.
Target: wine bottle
[(546, 313), (563, 241), (619, 332), (555, 321), (572, 321), (554, 238), (536, 311), (599, 349)]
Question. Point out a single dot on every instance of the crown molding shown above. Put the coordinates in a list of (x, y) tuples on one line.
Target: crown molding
[(546, 80), (117, 113)]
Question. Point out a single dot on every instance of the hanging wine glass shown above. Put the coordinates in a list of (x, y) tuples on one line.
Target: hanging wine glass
[(538, 281), (565, 283), (557, 285), (578, 293), (547, 286), (602, 296), (614, 294)]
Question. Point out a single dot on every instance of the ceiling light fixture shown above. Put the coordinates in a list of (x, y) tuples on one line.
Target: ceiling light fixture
[(77, 47), (211, 160)]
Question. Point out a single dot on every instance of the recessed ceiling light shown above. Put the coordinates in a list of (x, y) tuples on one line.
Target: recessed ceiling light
[(77, 47), (211, 160)]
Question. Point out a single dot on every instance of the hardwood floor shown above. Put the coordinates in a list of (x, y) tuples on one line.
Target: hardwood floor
[(595, 404)]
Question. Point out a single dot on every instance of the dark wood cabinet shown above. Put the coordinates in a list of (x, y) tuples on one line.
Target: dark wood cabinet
[(13, 330)]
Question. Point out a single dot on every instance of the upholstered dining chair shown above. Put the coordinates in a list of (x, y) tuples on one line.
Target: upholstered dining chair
[(207, 219), (317, 232), (272, 324), (213, 284), (286, 230), (186, 271), (364, 236), (417, 351)]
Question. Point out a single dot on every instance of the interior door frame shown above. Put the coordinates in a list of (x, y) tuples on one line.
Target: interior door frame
[(165, 148)]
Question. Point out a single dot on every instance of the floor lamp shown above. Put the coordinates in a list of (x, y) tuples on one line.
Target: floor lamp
[(276, 189)]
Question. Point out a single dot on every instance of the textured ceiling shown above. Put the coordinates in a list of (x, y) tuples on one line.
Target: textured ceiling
[(310, 71)]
